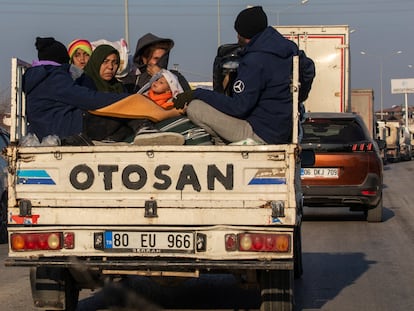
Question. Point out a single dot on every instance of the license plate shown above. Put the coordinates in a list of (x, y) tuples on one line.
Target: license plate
[(315, 172), (150, 242)]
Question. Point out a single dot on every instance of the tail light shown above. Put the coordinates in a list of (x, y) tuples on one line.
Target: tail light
[(369, 193), (258, 242), (363, 147), (42, 241)]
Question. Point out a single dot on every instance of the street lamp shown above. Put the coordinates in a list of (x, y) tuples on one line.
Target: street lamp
[(381, 61), (126, 23), (302, 2)]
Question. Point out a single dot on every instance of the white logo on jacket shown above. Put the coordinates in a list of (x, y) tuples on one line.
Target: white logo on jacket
[(238, 86)]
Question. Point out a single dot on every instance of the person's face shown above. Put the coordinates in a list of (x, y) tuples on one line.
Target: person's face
[(109, 67), (154, 58), (160, 86), (80, 58), (242, 41)]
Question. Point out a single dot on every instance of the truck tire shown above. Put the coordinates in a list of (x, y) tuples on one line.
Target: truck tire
[(53, 289), (375, 214), (297, 253), (276, 290)]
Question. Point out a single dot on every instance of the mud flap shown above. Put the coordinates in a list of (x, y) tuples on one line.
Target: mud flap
[(53, 289)]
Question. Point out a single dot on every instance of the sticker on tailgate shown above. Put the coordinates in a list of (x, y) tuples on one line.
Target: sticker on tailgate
[(34, 177), (268, 177)]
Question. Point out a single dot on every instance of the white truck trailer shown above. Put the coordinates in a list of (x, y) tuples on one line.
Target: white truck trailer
[(362, 103), (81, 216), (328, 47), (391, 130)]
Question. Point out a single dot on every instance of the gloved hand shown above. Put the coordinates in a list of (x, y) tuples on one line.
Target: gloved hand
[(183, 99)]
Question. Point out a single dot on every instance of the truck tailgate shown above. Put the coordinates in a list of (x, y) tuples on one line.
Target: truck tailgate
[(203, 184)]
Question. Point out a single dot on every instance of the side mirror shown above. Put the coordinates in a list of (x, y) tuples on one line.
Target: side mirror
[(307, 157)]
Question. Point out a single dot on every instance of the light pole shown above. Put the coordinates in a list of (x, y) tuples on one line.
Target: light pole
[(126, 23), (302, 2), (218, 24), (381, 61)]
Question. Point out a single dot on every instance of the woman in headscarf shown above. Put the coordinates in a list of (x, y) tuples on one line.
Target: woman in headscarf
[(100, 75)]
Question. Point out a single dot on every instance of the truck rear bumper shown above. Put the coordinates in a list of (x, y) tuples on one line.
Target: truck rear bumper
[(148, 265)]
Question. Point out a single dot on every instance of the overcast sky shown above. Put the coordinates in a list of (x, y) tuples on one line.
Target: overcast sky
[(380, 28)]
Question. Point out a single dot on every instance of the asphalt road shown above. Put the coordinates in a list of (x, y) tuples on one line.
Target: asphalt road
[(349, 264)]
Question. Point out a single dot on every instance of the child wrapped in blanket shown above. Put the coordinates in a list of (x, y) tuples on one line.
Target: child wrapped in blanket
[(162, 88)]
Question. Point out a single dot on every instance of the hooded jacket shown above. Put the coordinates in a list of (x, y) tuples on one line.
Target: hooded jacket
[(56, 104), (138, 75), (261, 91)]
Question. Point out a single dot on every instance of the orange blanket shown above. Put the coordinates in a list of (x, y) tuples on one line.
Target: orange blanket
[(136, 106)]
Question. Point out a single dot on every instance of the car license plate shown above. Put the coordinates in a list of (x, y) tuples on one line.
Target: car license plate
[(315, 172), (150, 242)]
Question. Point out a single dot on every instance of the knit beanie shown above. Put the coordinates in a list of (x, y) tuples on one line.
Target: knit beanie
[(250, 22), (50, 49), (82, 44)]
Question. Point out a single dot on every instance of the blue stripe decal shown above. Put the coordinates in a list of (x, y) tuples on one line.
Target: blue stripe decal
[(34, 177), (32, 173), (267, 181), (108, 239)]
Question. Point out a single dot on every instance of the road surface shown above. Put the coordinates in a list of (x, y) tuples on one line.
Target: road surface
[(349, 264)]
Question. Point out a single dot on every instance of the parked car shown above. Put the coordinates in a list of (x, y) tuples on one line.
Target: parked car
[(4, 141), (348, 169)]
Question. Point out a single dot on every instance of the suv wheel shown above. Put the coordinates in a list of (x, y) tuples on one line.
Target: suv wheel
[(375, 214)]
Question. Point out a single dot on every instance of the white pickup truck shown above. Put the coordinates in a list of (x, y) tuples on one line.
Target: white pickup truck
[(82, 215)]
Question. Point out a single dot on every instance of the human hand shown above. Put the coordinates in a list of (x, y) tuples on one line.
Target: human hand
[(183, 99), (153, 69)]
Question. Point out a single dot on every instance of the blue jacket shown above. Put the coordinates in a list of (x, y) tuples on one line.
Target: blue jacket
[(261, 91), (56, 104)]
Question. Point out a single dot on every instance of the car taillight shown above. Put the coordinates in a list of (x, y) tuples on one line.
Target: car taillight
[(363, 147), (42, 241), (257, 242), (369, 192)]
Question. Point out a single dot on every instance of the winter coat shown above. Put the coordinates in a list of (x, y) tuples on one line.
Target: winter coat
[(56, 104), (261, 91)]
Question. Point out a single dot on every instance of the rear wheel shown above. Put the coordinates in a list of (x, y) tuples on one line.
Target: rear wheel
[(276, 290), (298, 264), (375, 214)]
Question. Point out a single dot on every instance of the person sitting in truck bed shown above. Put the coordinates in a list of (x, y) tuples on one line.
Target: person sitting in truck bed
[(162, 88), (151, 55), (260, 107), (100, 75), (56, 105)]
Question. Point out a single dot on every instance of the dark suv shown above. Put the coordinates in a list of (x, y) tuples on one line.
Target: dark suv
[(348, 169)]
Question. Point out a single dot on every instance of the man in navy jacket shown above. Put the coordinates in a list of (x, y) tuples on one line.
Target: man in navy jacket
[(260, 106)]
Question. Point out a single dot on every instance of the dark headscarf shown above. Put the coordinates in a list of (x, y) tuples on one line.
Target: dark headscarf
[(93, 67)]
